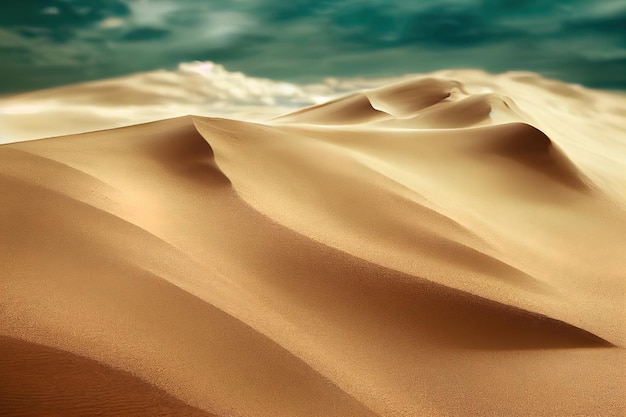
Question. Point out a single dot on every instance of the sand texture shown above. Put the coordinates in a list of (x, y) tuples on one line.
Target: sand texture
[(447, 245)]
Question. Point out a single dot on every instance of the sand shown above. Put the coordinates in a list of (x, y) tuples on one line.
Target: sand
[(448, 245), (202, 88)]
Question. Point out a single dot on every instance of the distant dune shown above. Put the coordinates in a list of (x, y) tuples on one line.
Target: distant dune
[(446, 245)]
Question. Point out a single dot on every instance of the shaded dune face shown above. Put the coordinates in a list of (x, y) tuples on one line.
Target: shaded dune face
[(408, 97), (473, 110), (526, 145), (353, 109), (41, 381), (373, 256)]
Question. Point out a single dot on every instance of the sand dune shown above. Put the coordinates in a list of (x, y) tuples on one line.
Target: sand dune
[(203, 88), (442, 246)]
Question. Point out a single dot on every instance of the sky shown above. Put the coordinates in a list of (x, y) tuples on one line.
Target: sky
[(46, 43)]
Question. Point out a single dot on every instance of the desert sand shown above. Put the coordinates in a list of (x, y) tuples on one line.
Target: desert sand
[(446, 245)]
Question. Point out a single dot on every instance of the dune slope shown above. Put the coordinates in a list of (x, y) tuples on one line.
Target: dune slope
[(412, 250)]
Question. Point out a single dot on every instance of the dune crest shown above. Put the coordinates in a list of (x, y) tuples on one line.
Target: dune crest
[(422, 248)]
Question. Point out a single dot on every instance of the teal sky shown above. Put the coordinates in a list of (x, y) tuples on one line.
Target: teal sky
[(57, 42)]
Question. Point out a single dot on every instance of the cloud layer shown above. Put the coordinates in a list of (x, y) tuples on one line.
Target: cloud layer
[(54, 42)]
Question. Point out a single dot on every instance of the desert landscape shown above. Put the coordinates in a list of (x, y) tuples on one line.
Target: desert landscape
[(444, 244), (312, 208)]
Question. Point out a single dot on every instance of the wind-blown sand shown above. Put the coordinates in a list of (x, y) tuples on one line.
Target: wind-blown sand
[(451, 245)]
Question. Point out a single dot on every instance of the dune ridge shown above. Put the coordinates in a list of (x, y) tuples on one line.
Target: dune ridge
[(413, 250)]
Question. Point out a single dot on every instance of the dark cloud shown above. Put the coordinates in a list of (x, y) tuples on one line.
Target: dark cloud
[(57, 13), (605, 73), (145, 34), (610, 25), (455, 27), (57, 20), (51, 42), (528, 7), (15, 54), (298, 9)]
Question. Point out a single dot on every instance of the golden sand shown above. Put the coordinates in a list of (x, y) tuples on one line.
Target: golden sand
[(450, 245)]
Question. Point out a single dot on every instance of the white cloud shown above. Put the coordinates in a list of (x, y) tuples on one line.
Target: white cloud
[(111, 22), (51, 10), (604, 8), (223, 26), (145, 12)]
